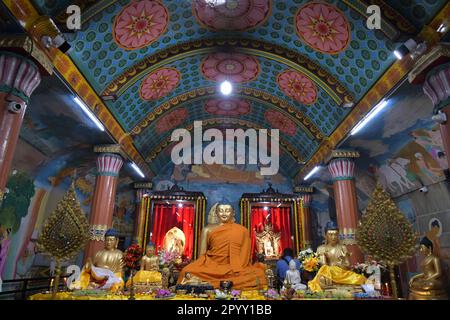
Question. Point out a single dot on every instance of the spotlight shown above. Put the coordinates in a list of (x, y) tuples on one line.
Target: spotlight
[(226, 88), (442, 28), (180, 205), (266, 208)]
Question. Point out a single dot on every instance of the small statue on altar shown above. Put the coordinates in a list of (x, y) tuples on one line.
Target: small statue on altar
[(149, 272), (430, 284), (105, 270), (334, 259), (293, 279), (373, 271), (174, 241), (268, 242)]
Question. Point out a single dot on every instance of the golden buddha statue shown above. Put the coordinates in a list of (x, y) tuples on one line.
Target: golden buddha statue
[(227, 255), (268, 241), (105, 270), (334, 259), (430, 284), (149, 272), (213, 222)]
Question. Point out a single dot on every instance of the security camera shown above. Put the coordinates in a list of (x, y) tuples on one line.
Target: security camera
[(14, 107), (424, 189), (440, 117), (56, 42)]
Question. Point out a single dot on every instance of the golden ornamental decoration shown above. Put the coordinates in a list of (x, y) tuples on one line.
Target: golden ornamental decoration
[(385, 233), (66, 230)]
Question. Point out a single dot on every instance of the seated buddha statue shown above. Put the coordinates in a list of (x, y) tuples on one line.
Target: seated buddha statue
[(105, 270), (149, 272), (226, 255), (293, 278), (334, 258), (267, 241), (430, 284)]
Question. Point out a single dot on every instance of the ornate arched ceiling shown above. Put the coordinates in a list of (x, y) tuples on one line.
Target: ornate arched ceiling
[(157, 64)]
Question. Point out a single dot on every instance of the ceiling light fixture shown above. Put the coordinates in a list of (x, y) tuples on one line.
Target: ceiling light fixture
[(89, 113), (369, 117), (226, 88), (311, 173), (138, 171)]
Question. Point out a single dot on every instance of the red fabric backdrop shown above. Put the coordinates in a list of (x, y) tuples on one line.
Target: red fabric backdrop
[(167, 216), (280, 218)]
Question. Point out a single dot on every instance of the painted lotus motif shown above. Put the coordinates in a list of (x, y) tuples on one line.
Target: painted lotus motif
[(237, 15), (323, 27), (227, 107), (279, 121), (159, 83), (297, 86), (139, 24), (234, 67), (171, 120)]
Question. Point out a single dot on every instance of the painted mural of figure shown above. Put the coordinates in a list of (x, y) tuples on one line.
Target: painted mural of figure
[(395, 173), (431, 141), (430, 172)]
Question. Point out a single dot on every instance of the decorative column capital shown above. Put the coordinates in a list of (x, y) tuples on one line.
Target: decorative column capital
[(305, 194), (19, 76), (109, 164), (142, 188), (97, 232), (342, 169), (433, 71)]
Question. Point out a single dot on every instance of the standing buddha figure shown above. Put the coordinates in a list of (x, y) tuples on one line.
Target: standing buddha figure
[(335, 263)]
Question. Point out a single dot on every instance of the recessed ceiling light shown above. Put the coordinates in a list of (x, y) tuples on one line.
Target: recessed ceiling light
[(226, 88)]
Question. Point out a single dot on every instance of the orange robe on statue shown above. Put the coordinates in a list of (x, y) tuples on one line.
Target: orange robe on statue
[(227, 258)]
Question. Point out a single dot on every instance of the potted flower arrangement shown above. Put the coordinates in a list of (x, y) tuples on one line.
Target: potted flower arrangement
[(309, 263), (272, 294), (132, 258), (163, 294)]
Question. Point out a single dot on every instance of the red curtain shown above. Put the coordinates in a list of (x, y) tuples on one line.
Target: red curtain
[(167, 216), (280, 218)]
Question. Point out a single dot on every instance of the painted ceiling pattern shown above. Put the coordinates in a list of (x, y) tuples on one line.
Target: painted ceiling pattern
[(293, 64)]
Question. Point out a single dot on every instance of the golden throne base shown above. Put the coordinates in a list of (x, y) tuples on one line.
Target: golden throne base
[(428, 295)]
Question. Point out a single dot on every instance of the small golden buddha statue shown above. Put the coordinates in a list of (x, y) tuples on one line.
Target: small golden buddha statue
[(430, 284), (149, 272), (105, 270), (334, 258)]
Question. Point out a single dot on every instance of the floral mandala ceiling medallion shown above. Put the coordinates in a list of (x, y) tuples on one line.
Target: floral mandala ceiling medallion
[(139, 24), (234, 67), (159, 83), (171, 120), (323, 27), (227, 107), (236, 15), (279, 121), (297, 86)]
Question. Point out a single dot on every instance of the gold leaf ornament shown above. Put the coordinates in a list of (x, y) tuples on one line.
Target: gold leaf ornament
[(66, 230)]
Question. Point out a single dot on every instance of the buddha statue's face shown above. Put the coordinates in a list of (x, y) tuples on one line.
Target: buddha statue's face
[(225, 213), (423, 249), (110, 243), (150, 251), (332, 237)]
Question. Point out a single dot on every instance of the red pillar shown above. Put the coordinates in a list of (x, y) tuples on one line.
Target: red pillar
[(342, 171), (142, 189), (19, 77), (102, 209), (307, 229)]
